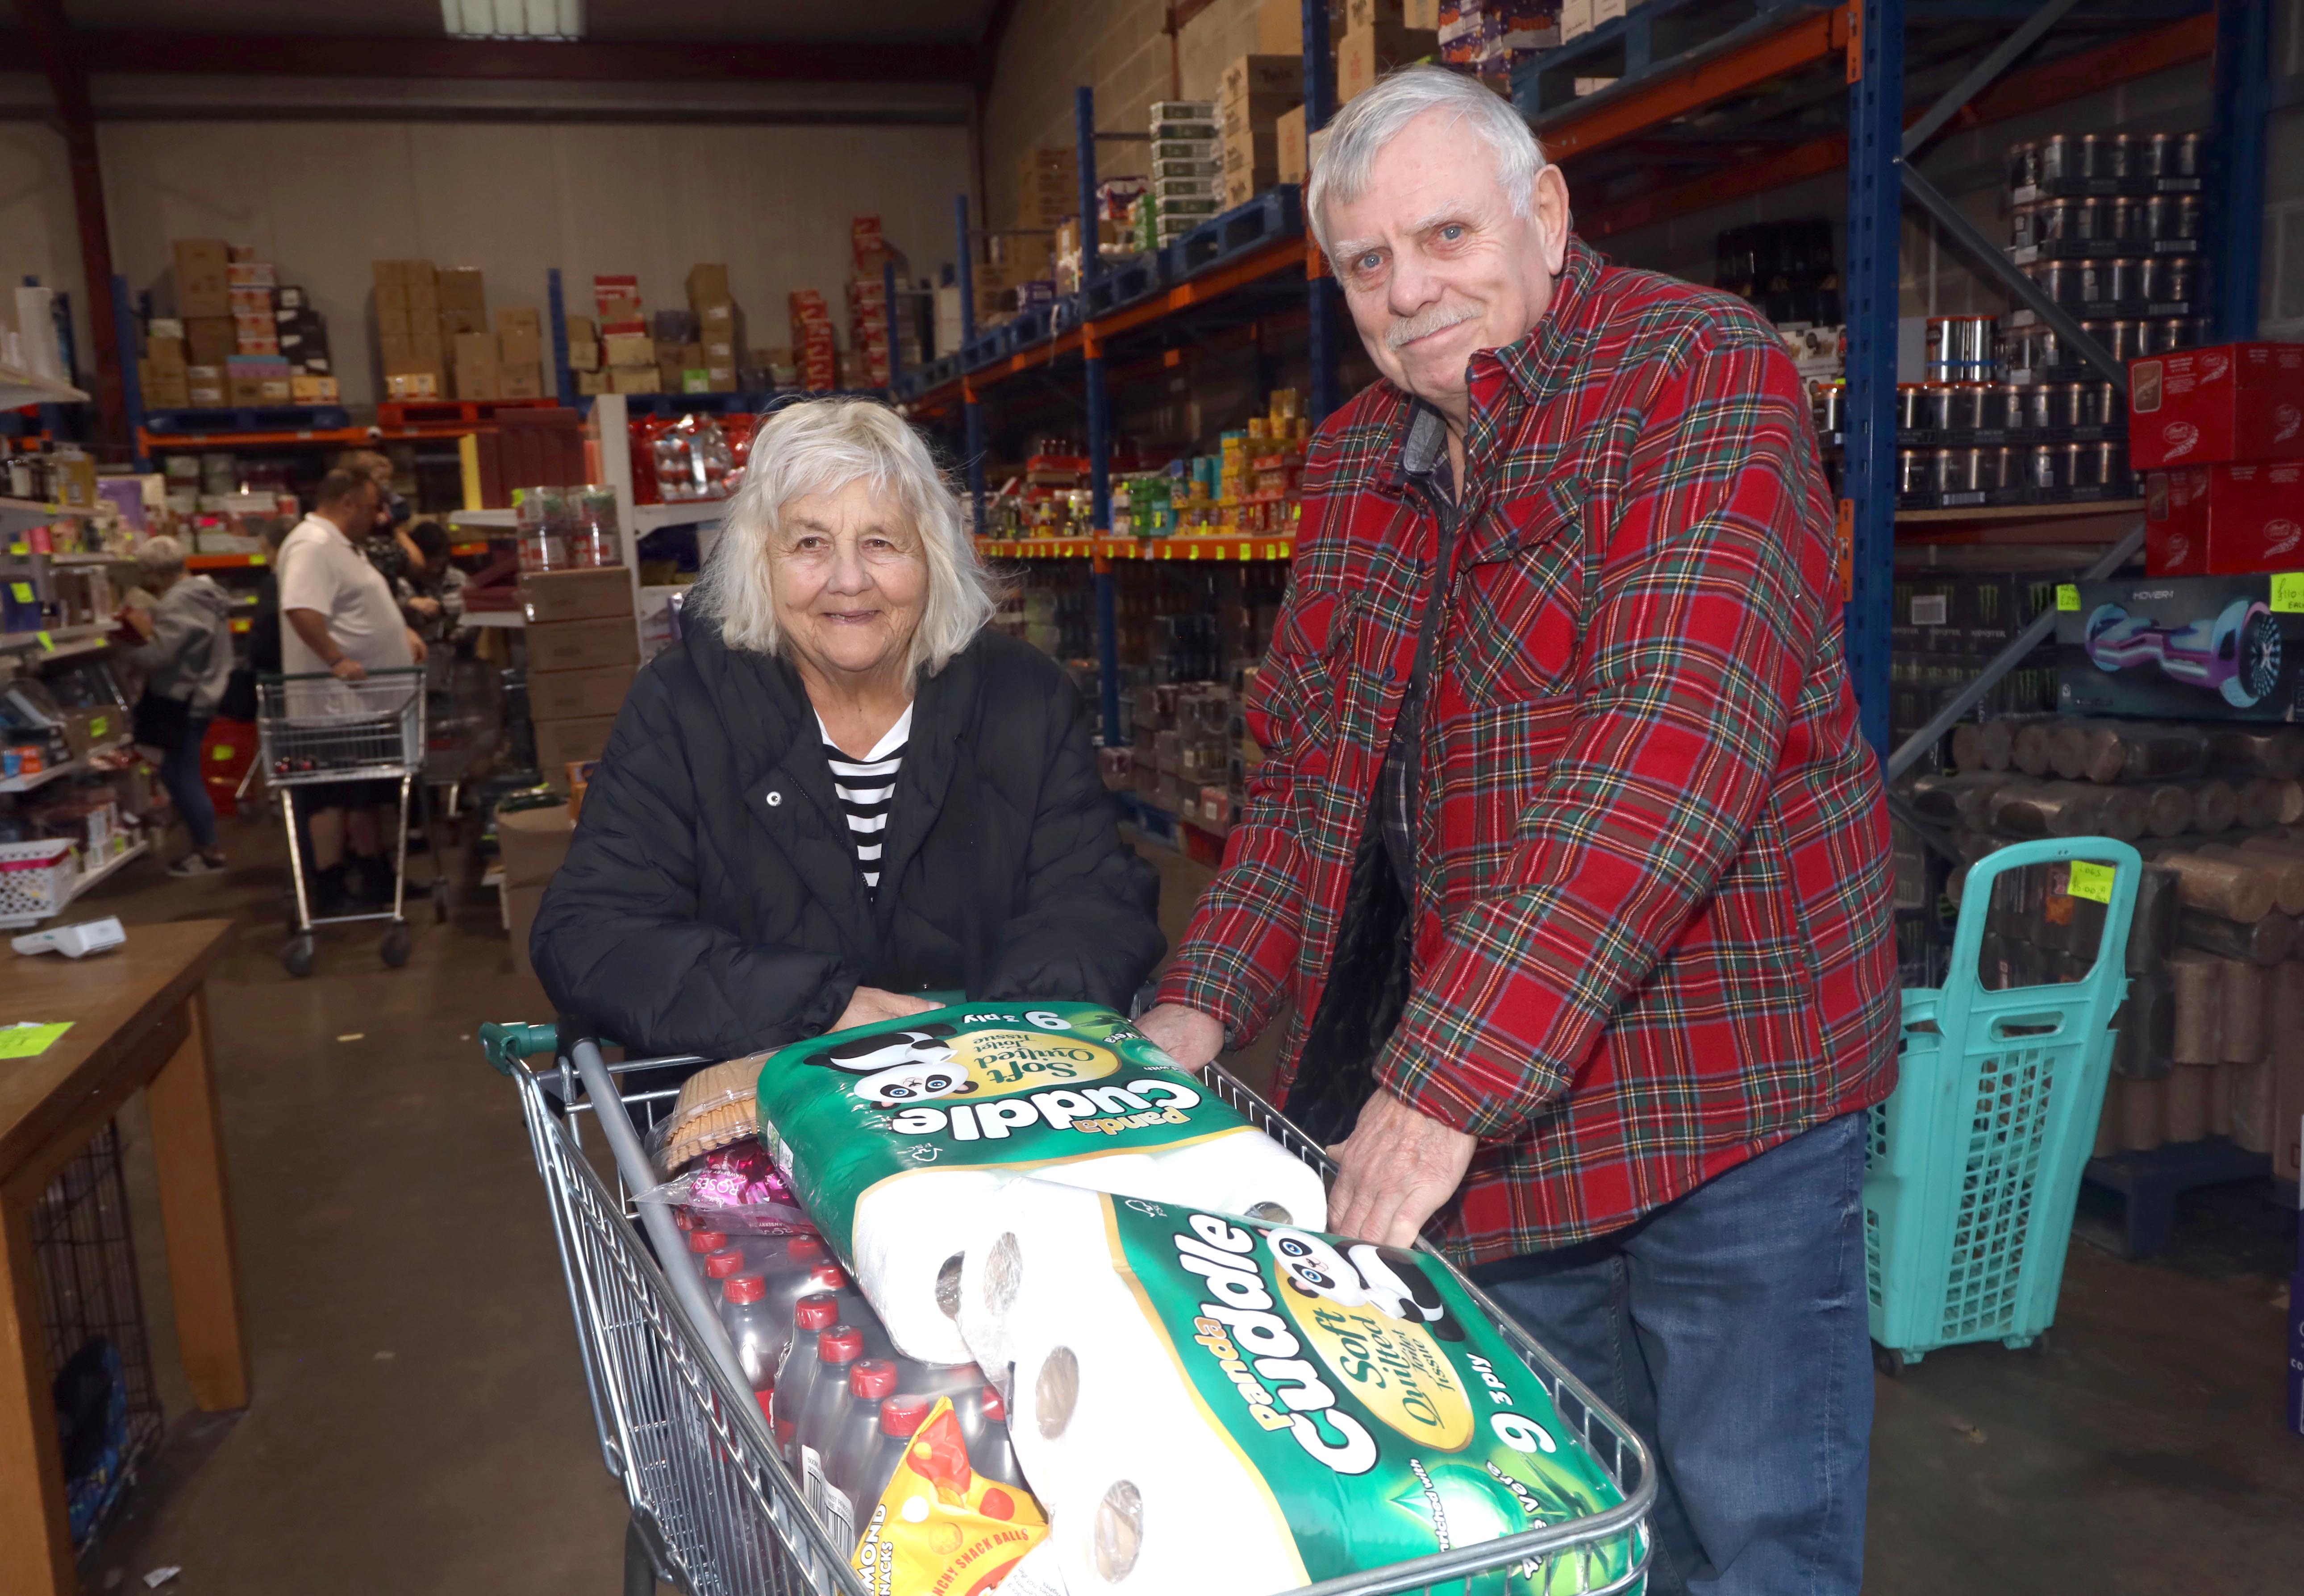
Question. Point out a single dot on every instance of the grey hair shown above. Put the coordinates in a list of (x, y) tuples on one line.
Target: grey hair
[(156, 556), (1374, 119), (820, 446)]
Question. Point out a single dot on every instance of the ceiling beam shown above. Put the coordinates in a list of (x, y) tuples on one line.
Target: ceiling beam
[(260, 55)]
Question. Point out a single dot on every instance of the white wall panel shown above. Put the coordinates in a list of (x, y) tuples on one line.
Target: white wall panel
[(39, 237), (322, 201)]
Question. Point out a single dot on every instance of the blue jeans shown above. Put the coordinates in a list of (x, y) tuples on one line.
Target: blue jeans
[(179, 774), (1730, 1328)]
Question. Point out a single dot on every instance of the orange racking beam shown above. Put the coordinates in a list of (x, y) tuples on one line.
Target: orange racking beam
[(2082, 74), (1813, 37)]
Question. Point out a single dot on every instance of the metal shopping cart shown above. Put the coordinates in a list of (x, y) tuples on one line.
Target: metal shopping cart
[(714, 1511), (316, 729)]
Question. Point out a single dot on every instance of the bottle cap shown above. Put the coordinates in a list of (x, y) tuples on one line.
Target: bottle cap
[(841, 1343), (994, 1410), (722, 1263), (683, 1219), (817, 1313), (706, 1241), (745, 1288), (804, 1249), (902, 1415), (872, 1379), (827, 1277)]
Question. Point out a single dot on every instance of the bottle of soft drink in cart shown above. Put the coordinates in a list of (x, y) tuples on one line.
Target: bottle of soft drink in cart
[(899, 1418), (828, 1390), (703, 1244), (848, 1437), (759, 1333), (811, 1317), (984, 1421)]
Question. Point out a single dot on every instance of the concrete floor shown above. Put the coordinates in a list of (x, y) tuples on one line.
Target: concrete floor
[(419, 1423)]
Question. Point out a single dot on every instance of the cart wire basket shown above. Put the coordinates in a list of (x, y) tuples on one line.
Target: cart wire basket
[(1973, 1166), (314, 730), (714, 1510)]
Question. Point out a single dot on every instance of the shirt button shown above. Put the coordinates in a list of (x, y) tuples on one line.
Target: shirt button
[(775, 798)]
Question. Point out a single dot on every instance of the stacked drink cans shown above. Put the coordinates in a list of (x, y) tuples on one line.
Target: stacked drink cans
[(1187, 166)]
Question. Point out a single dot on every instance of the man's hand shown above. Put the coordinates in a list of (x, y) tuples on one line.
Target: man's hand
[(868, 1005), (1191, 1038), (415, 647), (426, 607), (1398, 1168), (347, 669)]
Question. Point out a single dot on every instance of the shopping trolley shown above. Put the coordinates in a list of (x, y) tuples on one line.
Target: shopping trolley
[(316, 729), (1973, 1164), (714, 1510)]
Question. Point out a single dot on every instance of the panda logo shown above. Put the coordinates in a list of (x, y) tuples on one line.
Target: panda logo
[(1362, 1276), (898, 1067)]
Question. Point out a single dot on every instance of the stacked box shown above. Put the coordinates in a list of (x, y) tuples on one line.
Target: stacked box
[(579, 683), (203, 277), (1187, 163), (815, 347), (162, 369), (303, 340), (519, 352), (1049, 191), (1489, 37), (719, 327), (413, 356), (1367, 53), (870, 321), (1257, 92), (628, 352)]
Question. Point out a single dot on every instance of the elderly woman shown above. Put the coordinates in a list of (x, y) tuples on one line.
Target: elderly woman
[(185, 655), (841, 790)]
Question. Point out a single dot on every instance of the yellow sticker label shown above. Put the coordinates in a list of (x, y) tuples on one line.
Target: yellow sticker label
[(256, 559), (2288, 592), (100, 725), (28, 1039), (48, 642), (2068, 596), (23, 591), (221, 753), (2092, 882)]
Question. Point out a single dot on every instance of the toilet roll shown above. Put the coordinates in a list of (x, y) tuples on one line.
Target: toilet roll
[(896, 1135), (1229, 1409)]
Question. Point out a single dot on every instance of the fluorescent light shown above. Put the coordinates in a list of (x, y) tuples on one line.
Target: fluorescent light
[(514, 19)]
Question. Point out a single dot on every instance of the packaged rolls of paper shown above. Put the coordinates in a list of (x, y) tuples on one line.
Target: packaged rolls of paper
[(1229, 1408), (897, 1136)]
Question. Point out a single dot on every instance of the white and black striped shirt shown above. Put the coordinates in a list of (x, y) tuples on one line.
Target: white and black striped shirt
[(864, 787)]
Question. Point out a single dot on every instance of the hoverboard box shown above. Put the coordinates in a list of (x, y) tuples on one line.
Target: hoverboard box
[(2224, 648)]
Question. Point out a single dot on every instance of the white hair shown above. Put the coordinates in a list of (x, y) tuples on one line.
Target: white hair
[(820, 446), (158, 556), (1374, 119)]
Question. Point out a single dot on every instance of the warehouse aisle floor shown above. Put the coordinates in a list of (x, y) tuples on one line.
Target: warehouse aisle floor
[(419, 1423)]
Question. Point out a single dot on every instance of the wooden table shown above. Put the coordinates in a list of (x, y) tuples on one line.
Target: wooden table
[(140, 1022)]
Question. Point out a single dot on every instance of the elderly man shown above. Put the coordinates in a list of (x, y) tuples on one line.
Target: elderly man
[(1567, 848)]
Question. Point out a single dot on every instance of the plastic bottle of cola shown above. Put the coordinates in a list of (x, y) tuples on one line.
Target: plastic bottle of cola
[(759, 1333), (899, 1418), (984, 1421), (827, 1394), (848, 1446), (811, 1317), (703, 1244)]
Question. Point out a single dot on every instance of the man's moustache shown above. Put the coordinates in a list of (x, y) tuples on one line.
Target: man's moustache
[(1436, 319)]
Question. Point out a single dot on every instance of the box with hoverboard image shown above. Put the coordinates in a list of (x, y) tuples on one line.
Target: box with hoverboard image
[(2224, 648)]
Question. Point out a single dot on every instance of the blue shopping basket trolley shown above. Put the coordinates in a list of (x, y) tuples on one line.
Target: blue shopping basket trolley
[(1973, 1167)]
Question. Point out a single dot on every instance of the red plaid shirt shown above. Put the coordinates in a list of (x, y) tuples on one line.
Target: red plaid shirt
[(1653, 912)]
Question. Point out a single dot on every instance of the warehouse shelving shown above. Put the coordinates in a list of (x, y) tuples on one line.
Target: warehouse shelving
[(20, 388)]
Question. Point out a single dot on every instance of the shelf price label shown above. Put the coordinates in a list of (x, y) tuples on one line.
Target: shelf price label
[(2068, 596), (2287, 591), (2092, 882)]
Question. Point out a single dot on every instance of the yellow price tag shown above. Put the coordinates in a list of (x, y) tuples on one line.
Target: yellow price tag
[(2092, 882), (221, 754), (2068, 596), (22, 590), (47, 642), (100, 725), (2287, 591), (256, 559)]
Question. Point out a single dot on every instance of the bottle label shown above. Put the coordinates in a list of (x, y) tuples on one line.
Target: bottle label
[(938, 1524)]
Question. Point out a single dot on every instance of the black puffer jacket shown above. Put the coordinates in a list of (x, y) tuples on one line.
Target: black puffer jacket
[(711, 902)]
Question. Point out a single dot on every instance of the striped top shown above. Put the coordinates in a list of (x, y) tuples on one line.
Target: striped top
[(864, 787)]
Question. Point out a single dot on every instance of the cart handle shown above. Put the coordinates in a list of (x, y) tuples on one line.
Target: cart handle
[(331, 675), (506, 1043)]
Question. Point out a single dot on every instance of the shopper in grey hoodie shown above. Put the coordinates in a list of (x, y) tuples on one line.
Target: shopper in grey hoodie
[(186, 658)]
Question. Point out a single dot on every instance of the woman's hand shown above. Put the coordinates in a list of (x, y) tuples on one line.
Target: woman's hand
[(869, 1005)]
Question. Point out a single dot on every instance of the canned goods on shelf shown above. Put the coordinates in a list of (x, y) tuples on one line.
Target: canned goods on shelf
[(1911, 407), (2153, 154), (2081, 464), (2060, 158), (1913, 466), (2188, 156), (2024, 164), (2045, 469)]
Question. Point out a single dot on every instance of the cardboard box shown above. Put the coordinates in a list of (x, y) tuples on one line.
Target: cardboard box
[(573, 694), (519, 349), (412, 384), (163, 387), (520, 319), (304, 389), (583, 355), (208, 340), (550, 596), (479, 382), (1287, 136), (629, 349), (477, 348), (583, 645), (1368, 53), (2227, 401), (2220, 648), (1420, 13), (1374, 14), (1280, 28), (203, 272), (423, 286), (462, 288), (1575, 19), (2222, 520), (1246, 77), (523, 380), (453, 322), (707, 285), (533, 842), (560, 743), (634, 379), (1258, 153)]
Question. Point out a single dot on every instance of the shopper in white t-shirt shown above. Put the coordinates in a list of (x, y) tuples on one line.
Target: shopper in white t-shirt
[(341, 619)]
